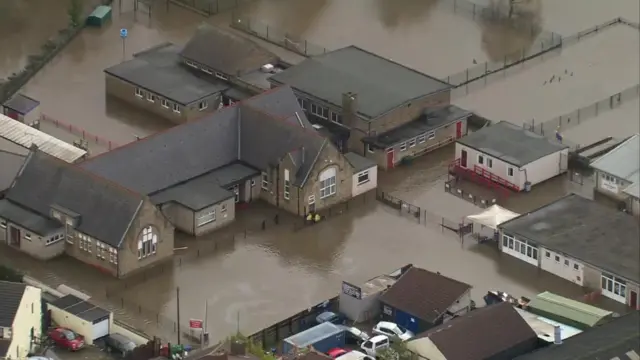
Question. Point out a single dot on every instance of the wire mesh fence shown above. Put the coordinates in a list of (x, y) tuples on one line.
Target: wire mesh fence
[(212, 7)]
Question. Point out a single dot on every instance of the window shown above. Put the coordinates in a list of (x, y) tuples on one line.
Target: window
[(522, 248), (547, 254), (147, 242), (403, 146), (480, 159), (369, 149), (422, 138), (303, 103), (151, 97), (327, 182), (70, 233), (235, 189), (431, 135), (101, 250), (192, 64), (53, 239), (223, 209), (176, 108), (206, 217), (614, 287), (557, 258), (203, 105), (253, 183), (287, 185), (576, 266), (510, 171), (164, 103), (222, 76), (319, 111), (207, 71), (27, 236), (265, 181), (566, 262), (412, 143), (84, 242), (363, 177), (3, 224), (139, 93), (113, 255), (336, 117), (489, 162)]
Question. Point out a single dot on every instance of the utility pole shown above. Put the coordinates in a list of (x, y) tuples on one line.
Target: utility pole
[(178, 305)]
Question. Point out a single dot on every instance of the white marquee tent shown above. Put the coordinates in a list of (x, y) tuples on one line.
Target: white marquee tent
[(493, 216)]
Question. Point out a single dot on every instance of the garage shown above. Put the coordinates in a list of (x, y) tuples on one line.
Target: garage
[(81, 316)]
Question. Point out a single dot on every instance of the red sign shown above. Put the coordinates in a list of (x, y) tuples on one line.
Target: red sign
[(195, 324)]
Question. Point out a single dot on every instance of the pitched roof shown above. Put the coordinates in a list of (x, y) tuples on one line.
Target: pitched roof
[(380, 84), (10, 164), (105, 209), (10, 298), (623, 161), (159, 71), (424, 294), (21, 103), (586, 230), (39, 224), (226, 52), (359, 162), (617, 339), (564, 309), (511, 144), (479, 334), (246, 132)]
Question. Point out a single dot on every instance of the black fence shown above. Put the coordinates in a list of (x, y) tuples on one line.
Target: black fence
[(451, 187)]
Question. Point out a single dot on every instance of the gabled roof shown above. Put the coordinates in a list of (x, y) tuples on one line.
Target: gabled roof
[(381, 85), (511, 144), (105, 208), (257, 132), (479, 334), (585, 230), (224, 51), (424, 294), (10, 298), (617, 339)]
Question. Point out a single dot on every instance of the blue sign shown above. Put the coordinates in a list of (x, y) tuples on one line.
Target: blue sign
[(124, 33)]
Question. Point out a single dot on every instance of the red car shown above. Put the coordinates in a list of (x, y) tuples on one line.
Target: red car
[(335, 352), (66, 339)]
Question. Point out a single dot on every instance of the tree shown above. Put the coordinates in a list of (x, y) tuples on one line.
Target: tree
[(75, 12), (397, 351)]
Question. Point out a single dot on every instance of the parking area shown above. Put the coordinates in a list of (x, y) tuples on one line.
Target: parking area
[(87, 353)]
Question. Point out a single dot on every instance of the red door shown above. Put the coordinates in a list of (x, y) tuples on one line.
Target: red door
[(14, 115), (633, 299), (463, 158), (458, 129), (390, 158)]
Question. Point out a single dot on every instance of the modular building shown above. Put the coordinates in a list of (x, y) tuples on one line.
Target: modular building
[(84, 318), (322, 338)]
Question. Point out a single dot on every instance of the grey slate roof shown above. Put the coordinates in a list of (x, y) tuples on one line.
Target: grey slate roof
[(21, 103), (223, 51), (10, 164), (10, 298), (359, 162), (381, 84), (106, 209), (583, 229), (29, 220), (80, 308), (618, 339), (511, 144), (431, 119), (238, 133), (159, 71), (208, 189)]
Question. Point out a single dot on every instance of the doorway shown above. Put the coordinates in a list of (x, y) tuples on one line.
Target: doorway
[(463, 158), (458, 129), (633, 299), (14, 236), (390, 158)]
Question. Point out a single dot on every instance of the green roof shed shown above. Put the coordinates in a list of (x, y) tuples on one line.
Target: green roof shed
[(568, 311), (99, 16)]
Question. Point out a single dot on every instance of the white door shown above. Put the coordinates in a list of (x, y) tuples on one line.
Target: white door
[(101, 328)]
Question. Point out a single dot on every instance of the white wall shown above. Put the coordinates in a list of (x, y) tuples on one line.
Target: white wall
[(426, 349), (564, 267), (369, 185), (75, 323), (611, 185), (547, 167), (498, 168), (29, 316)]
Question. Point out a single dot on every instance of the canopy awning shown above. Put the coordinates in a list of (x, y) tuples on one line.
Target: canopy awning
[(493, 216)]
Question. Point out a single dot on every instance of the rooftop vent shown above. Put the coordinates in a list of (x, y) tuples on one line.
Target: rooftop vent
[(317, 126), (268, 68)]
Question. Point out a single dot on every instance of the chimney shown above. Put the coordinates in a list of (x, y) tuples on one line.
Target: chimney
[(349, 108), (557, 335)]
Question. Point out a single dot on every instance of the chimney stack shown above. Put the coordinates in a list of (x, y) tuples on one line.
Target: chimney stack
[(557, 335), (349, 108)]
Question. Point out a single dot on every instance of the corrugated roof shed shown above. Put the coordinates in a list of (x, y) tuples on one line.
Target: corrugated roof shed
[(559, 307), (26, 136)]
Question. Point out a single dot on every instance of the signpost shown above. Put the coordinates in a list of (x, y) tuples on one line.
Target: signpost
[(123, 34), (351, 290)]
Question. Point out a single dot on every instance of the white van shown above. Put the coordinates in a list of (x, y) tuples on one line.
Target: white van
[(376, 343)]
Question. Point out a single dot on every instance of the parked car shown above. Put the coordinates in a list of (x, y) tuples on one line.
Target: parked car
[(335, 352), (330, 316), (392, 330), (375, 344), (119, 343), (66, 339)]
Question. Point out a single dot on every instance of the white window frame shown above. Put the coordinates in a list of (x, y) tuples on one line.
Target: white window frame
[(328, 186), (303, 103), (520, 249), (319, 111), (53, 239), (576, 266), (221, 76), (567, 262), (139, 93), (147, 242), (206, 71), (151, 98), (265, 181), (614, 288), (27, 236), (191, 63), (412, 142), (480, 159), (512, 170), (223, 209), (176, 108), (286, 193), (431, 135), (3, 224), (164, 103), (370, 150), (203, 105), (253, 182), (422, 138), (101, 250), (403, 146), (336, 118), (556, 258), (206, 218), (113, 255), (489, 163), (363, 177)]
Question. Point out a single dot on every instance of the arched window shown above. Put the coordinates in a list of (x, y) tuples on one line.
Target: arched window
[(147, 242), (327, 182)]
